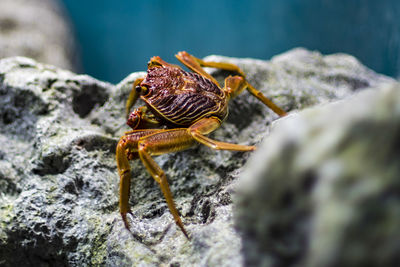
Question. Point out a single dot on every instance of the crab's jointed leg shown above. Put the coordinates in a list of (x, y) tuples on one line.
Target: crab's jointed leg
[(194, 64), (144, 144), (206, 125), (234, 85), (197, 64), (174, 140), (159, 143), (152, 142), (127, 150), (158, 62)]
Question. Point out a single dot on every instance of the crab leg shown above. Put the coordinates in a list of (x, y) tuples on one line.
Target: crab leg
[(127, 149), (158, 62), (196, 64), (193, 63), (147, 144), (159, 143), (260, 96), (204, 126), (234, 85)]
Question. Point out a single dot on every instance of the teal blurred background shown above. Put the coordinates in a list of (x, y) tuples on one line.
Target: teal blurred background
[(118, 37)]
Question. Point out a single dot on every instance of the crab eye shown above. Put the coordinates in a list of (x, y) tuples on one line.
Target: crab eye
[(141, 89)]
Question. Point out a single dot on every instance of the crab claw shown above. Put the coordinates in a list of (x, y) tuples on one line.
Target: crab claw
[(134, 119)]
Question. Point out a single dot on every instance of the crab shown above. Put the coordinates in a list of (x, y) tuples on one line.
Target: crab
[(181, 109)]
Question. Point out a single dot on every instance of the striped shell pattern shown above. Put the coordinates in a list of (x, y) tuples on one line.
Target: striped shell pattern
[(182, 97)]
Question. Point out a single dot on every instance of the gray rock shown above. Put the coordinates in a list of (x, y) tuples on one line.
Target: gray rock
[(324, 188), (37, 29), (58, 177)]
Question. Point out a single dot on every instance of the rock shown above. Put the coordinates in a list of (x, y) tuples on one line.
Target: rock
[(323, 189), (37, 29), (58, 177)]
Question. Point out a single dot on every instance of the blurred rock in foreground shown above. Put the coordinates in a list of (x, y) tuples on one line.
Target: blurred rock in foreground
[(59, 183), (324, 187), (37, 29)]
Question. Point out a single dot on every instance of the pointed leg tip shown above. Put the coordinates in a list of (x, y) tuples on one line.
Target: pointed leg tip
[(283, 113), (185, 233), (187, 236), (180, 225), (125, 219)]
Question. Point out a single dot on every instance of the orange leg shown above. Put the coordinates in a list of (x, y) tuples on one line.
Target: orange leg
[(196, 65), (127, 149), (159, 143), (152, 142), (158, 62), (144, 144), (175, 140), (234, 85), (204, 126)]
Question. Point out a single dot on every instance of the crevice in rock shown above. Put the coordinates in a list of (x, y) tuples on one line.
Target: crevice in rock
[(90, 96), (53, 163)]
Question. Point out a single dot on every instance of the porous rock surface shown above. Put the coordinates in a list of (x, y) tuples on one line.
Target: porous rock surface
[(58, 177)]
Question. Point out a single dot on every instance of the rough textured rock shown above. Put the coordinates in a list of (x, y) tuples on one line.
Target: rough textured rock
[(37, 29), (324, 187), (58, 178)]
